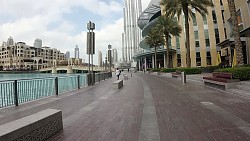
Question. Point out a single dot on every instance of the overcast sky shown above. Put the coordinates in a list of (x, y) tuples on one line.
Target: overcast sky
[(61, 24)]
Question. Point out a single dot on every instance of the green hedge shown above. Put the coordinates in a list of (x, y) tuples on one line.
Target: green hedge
[(166, 70), (242, 73), (210, 69), (149, 69), (156, 70), (191, 70), (187, 70)]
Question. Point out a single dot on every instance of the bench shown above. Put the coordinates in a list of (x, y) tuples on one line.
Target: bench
[(39, 126), (117, 84), (176, 73), (221, 80)]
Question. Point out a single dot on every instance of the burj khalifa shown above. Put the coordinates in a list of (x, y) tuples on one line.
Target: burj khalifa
[(132, 33)]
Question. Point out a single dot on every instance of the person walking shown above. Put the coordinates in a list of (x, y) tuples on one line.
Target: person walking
[(117, 73)]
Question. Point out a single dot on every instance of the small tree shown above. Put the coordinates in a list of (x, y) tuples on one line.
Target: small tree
[(237, 41), (168, 26), (154, 39), (176, 7)]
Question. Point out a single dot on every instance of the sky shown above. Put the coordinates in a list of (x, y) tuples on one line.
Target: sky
[(62, 24)]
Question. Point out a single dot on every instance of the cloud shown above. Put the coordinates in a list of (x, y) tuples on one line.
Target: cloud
[(27, 20), (145, 3)]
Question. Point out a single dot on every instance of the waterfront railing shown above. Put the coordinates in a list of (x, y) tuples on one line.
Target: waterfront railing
[(15, 92)]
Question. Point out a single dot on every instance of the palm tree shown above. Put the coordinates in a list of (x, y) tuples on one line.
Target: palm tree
[(168, 26), (176, 7), (237, 41), (154, 39)]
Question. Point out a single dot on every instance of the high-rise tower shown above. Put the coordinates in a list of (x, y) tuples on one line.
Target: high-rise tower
[(99, 58), (10, 41), (76, 52), (38, 43), (132, 34), (67, 55)]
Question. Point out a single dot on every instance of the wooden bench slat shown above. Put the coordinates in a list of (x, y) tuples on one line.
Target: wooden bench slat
[(176, 73), (222, 75), (222, 79)]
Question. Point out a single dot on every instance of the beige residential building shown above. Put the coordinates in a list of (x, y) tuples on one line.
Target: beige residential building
[(243, 17), (21, 56), (205, 33)]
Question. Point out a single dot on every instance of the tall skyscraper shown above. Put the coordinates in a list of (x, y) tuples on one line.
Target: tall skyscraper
[(76, 52), (114, 55), (10, 41), (99, 58), (67, 54), (132, 34), (38, 43)]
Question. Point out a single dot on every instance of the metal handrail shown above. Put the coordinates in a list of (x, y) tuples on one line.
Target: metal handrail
[(14, 92)]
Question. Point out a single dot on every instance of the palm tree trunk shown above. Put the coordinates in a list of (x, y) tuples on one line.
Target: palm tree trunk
[(188, 59), (237, 41), (167, 50), (155, 58)]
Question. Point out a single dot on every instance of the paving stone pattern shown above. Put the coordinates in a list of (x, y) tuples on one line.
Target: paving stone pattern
[(179, 112)]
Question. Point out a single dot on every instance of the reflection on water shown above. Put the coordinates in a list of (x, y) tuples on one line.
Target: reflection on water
[(16, 76), (28, 88)]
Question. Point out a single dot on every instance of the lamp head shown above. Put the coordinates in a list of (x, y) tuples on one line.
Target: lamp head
[(109, 46)]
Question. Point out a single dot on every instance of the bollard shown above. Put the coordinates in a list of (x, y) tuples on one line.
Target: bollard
[(183, 77)]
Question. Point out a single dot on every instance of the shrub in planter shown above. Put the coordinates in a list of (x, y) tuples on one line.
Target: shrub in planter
[(210, 69), (156, 70), (166, 70), (247, 65), (242, 73), (191, 70), (149, 69)]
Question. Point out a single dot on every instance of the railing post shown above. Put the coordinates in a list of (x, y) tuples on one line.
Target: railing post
[(78, 81), (89, 79), (93, 78), (15, 93), (56, 86)]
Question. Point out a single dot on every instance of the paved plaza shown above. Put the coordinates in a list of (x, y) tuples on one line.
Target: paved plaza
[(148, 107)]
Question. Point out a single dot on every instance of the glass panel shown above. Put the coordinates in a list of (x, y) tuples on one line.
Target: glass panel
[(197, 44), (204, 19), (196, 35), (206, 34), (194, 19), (207, 42), (214, 17)]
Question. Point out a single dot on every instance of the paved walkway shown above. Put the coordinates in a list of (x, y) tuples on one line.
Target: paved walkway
[(148, 108)]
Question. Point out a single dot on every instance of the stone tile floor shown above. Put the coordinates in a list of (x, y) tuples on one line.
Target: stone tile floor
[(148, 107)]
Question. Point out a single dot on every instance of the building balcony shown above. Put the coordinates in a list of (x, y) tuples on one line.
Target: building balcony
[(149, 13), (148, 27)]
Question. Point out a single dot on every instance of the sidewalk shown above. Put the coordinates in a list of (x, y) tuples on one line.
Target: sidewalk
[(148, 107)]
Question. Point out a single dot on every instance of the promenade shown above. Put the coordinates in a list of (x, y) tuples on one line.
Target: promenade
[(147, 108)]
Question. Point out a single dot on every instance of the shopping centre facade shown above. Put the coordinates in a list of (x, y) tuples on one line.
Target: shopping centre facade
[(209, 35)]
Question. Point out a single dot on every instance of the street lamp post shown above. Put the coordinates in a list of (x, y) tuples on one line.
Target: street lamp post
[(91, 49), (105, 63), (109, 57)]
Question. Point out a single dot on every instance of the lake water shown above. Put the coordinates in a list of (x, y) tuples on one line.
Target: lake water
[(16, 76), (31, 86)]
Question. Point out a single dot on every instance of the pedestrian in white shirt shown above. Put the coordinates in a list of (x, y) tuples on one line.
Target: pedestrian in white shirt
[(117, 73)]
